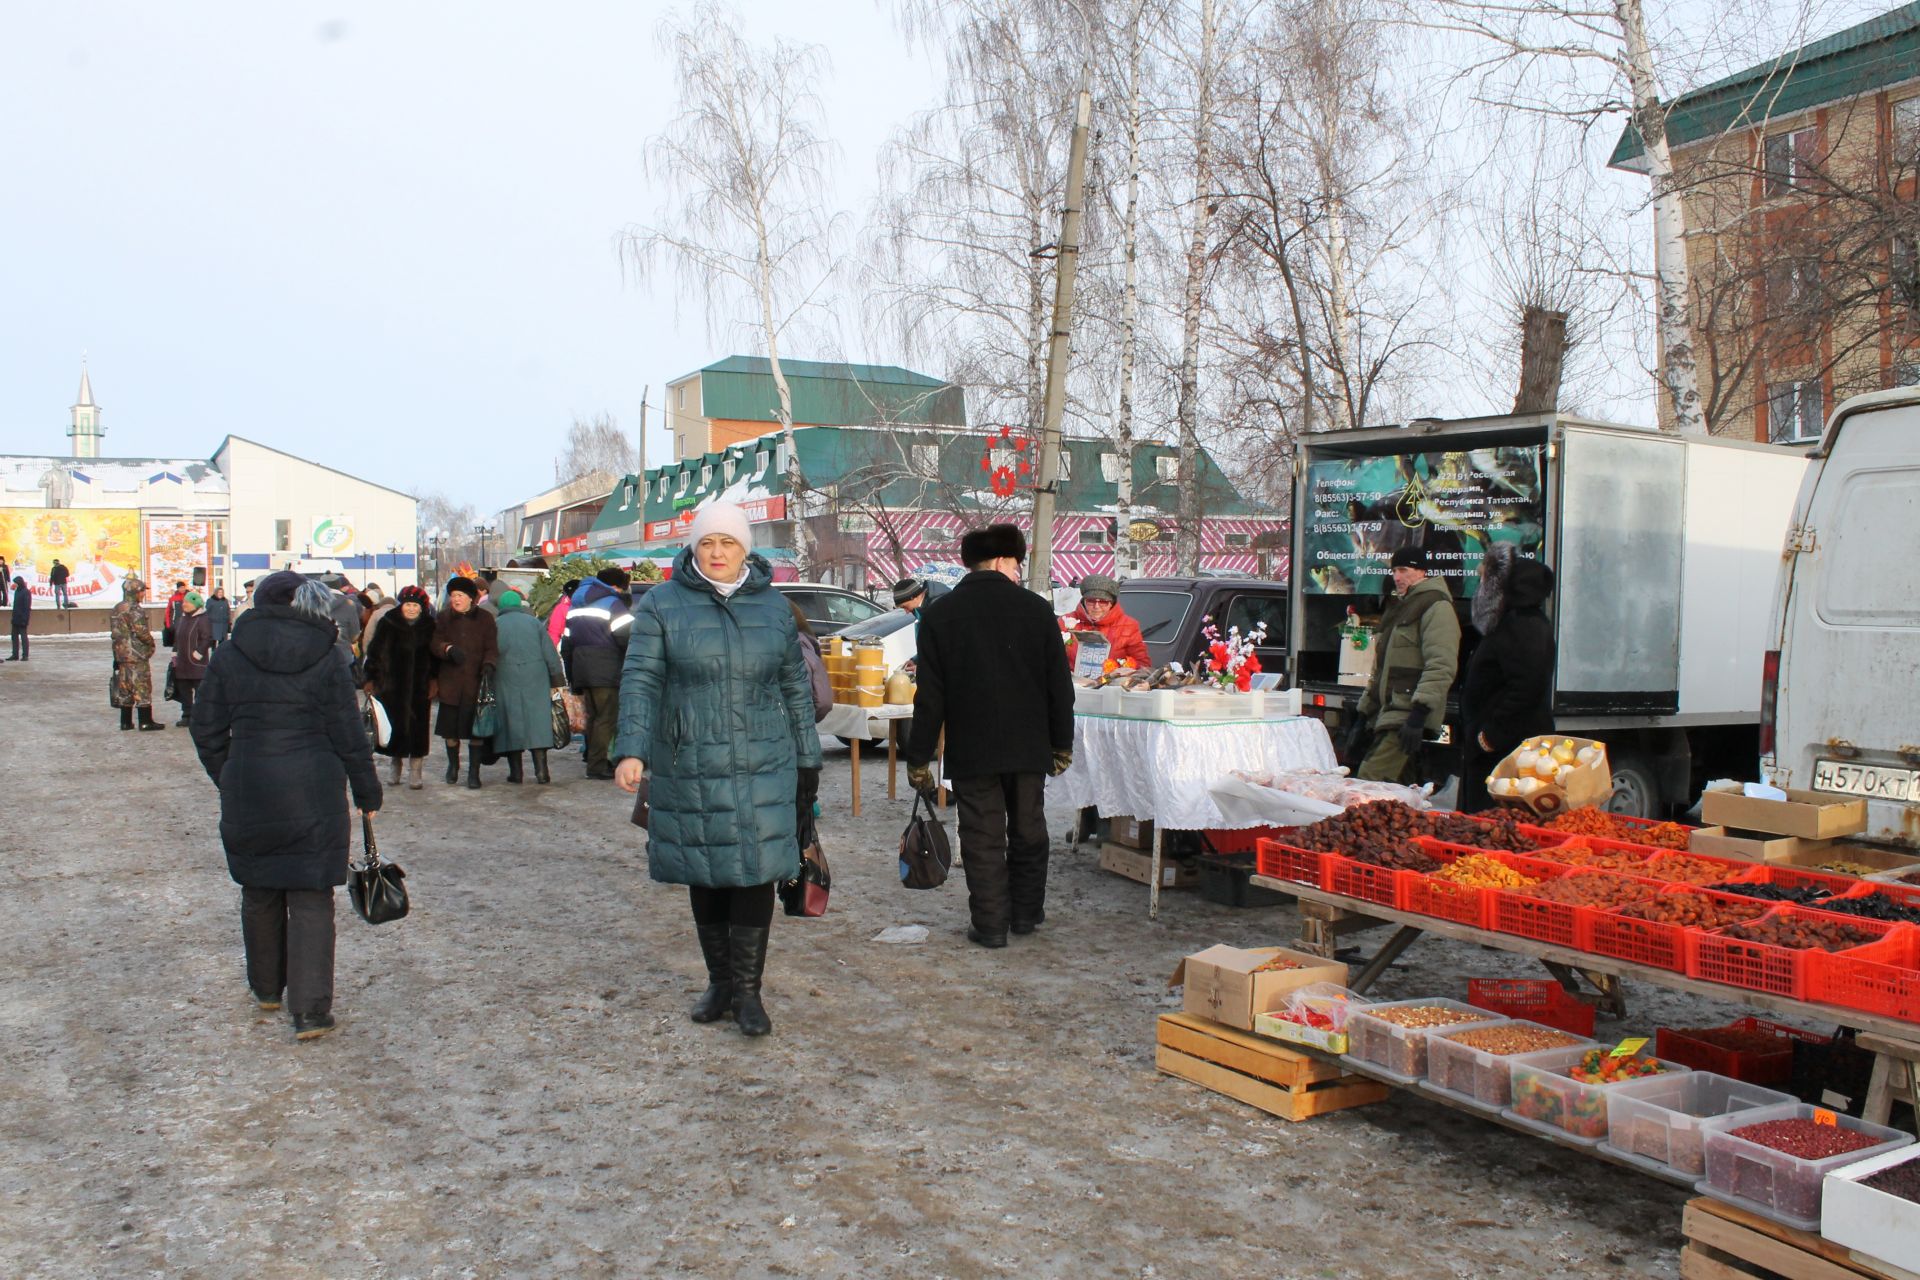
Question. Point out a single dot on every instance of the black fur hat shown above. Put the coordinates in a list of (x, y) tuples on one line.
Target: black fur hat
[(467, 585), (977, 546), (616, 577)]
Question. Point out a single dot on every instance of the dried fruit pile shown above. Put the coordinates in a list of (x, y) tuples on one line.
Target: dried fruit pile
[(1692, 910), (1590, 889), (1806, 1139), (1382, 824), (1578, 853), (1800, 933), (1682, 869), (1805, 895), (1589, 821), (1404, 856), (1479, 871), (1840, 866), (1275, 964), (1902, 1180), (1874, 906)]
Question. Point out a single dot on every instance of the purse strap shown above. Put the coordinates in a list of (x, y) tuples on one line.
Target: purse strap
[(373, 850)]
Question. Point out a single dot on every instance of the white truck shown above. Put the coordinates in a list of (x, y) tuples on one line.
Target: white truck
[(1841, 711), (1664, 550)]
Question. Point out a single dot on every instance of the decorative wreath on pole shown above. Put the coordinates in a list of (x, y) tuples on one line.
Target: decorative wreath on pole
[(1005, 481)]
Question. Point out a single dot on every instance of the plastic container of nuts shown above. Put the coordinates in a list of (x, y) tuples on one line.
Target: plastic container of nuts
[(1391, 1039), (1472, 1066), (1656, 1123)]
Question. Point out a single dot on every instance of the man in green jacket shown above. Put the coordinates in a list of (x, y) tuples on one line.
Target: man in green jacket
[(1418, 656)]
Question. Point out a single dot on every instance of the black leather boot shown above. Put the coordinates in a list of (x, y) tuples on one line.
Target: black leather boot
[(717, 1000), (749, 951), (147, 722), (540, 774), (473, 766), (453, 761), (513, 767), (126, 717)]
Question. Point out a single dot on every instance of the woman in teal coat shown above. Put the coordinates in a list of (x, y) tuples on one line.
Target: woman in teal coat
[(523, 686), (715, 702)]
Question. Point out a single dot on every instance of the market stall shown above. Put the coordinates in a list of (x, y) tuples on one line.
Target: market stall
[(860, 725)]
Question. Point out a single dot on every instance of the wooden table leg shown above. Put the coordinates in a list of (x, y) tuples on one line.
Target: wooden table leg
[(893, 758), (856, 776), (1159, 858), (1402, 938)]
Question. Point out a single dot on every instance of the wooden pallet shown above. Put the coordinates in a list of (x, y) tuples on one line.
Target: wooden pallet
[(1257, 1071), (1725, 1242)]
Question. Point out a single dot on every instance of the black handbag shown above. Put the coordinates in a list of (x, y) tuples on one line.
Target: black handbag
[(925, 856), (486, 713), (170, 693), (562, 722), (806, 893), (378, 889)]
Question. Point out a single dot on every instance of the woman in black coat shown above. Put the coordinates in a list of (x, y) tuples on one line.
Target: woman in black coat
[(278, 730), (1508, 694), (467, 647), (400, 672)]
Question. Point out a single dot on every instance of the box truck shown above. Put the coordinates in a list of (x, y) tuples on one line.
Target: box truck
[(1664, 550)]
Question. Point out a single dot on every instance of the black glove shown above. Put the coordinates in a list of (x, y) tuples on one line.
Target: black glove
[(1062, 761), (1413, 732), (920, 777), (456, 655), (1359, 738)]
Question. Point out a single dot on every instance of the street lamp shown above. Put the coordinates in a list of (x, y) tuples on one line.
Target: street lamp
[(483, 531), (393, 565), (434, 541)]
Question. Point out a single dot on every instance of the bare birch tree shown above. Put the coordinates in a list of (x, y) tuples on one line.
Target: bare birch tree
[(751, 216), (1198, 267), (594, 444)]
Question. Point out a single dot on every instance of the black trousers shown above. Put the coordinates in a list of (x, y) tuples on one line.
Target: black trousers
[(603, 716), (289, 937), (750, 907), (1003, 846), (183, 690), (19, 644)]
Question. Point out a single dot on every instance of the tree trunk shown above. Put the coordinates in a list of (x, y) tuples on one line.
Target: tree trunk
[(1187, 536), (1543, 350), (1678, 371), (1126, 561), (798, 508)]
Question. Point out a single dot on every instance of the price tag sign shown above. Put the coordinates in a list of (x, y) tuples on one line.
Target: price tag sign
[(1628, 1047), (1823, 1116)]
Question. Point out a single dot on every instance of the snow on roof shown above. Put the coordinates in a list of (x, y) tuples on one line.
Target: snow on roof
[(22, 473)]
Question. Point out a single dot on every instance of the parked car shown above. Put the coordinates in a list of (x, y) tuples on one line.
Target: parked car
[(830, 609), (1173, 611), (1836, 705)]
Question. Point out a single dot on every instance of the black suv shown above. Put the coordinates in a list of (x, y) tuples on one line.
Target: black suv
[(1172, 611)]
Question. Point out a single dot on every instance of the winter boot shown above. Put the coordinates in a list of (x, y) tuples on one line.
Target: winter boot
[(396, 771), (540, 774), (414, 768), (717, 1001), (126, 717), (749, 954), (147, 722), (453, 762), (473, 766), (513, 767)]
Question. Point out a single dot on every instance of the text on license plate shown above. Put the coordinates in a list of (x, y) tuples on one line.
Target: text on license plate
[(1876, 782)]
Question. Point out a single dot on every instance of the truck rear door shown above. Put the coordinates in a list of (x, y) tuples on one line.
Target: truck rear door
[(1849, 614)]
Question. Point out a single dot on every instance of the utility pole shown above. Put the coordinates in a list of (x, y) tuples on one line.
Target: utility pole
[(1067, 263), (643, 433)]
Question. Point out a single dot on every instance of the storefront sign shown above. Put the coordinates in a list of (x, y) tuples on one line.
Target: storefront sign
[(332, 536), (1143, 531), (100, 548), (563, 546), (175, 548), (757, 510)]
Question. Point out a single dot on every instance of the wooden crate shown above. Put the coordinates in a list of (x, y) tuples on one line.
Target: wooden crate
[(1725, 1242), (1139, 867), (1256, 1070)]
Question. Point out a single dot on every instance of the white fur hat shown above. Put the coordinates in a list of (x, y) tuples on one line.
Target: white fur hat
[(720, 517)]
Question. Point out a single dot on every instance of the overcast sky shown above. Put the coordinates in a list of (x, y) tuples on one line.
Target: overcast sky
[(382, 236)]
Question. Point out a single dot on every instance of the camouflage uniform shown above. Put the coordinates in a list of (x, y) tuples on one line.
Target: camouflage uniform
[(132, 648)]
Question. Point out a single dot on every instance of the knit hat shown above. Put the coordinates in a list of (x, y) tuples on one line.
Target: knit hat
[(277, 588), (720, 517), (907, 588), (509, 599), (995, 542), (467, 585), (616, 577), (1097, 586), (411, 594), (1409, 558), (193, 600)]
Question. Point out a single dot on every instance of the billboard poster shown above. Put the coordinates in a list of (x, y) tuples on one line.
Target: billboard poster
[(99, 547), (1455, 505), (332, 537), (175, 548)]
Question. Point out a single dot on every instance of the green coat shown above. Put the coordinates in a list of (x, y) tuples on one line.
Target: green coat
[(714, 697), (529, 670), (1416, 662)]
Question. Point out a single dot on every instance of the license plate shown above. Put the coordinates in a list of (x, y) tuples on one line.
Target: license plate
[(1875, 782)]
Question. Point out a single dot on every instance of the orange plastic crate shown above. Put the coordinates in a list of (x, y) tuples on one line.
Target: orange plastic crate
[(1562, 923), (1363, 880), (1882, 977), (1731, 868), (1288, 862), (1444, 900), (1648, 942), (1643, 851), (1800, 878), (1760, 966)]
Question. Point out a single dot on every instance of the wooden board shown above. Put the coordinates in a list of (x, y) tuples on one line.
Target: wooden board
[(1724, 1240), (1255, 1070)]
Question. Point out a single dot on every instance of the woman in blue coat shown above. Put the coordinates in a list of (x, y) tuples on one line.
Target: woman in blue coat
[(715, 702), (523, 686)]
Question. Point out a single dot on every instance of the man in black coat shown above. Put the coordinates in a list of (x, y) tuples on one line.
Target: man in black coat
[(993, 674), (593, 649), (1507, 696), (22, 617)]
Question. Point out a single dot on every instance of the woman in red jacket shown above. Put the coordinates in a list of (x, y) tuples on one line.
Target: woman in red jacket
[(1100, 611)]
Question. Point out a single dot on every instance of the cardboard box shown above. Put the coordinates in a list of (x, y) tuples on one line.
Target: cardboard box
[(1812, 853), (1222, 985), (1750, 846), (1809, 815), (1867, 1221), (1357, 651), (1586, 784), (1138, 866), (1131, 832)]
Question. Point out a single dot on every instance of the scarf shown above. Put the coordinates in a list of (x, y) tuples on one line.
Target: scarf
[(1490, 600)]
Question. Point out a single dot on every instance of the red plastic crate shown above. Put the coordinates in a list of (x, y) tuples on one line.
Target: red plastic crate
[(1618, 817), (1760, 966), (1443, 900), (1882, 977), (1286, 862), (1732, 867), (1244, 840), (1363, 880), (1800, 878), (1561, 923), (1648, 942), (1532, 999), (1773, 1067), (1644, 851)]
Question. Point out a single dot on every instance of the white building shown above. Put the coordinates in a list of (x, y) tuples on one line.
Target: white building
[(213, 521)]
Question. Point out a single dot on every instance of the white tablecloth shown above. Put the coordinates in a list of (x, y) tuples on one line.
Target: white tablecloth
[(1161, 770), (849, 721)]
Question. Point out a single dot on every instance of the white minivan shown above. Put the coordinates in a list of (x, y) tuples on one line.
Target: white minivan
[(1841, 700)]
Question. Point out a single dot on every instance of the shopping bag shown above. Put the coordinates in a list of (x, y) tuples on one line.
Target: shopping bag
[(562, 722), (169, 694), (806, 893), (576, 710), (486, 715), (379, 728), (378, 889), (925, 856)]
